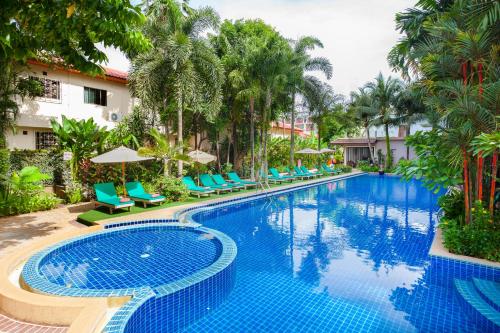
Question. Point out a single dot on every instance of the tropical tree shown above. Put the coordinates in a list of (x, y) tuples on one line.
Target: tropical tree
[(82, 138), (161, 149), (321, 101), (384, 93), (66, 33), (363, 108), (181, 71), (301, 62), (458, 66)]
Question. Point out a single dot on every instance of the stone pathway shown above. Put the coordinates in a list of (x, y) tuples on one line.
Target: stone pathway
[(8, 325), (16, 231)]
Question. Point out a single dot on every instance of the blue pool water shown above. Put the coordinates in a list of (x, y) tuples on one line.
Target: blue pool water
[(130, 258), (348, 256)]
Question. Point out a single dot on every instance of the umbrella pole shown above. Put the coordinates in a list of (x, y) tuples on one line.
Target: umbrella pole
[(123, 178)]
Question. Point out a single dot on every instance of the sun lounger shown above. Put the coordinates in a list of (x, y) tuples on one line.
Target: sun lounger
[(301, 173), (219, 180), (314, 173), (106, 196), (233, 176), (207, 181), (136, 192), (195, 189), (275, 174)]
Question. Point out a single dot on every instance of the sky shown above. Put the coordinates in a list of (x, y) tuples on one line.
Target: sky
[(357, 34)]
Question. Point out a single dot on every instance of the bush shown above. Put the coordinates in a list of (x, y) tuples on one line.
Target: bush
[(365, 166), (345, 168), (479, 238), (23, 193), (452, 205), (172, 188), (48, 161), (74, 193)]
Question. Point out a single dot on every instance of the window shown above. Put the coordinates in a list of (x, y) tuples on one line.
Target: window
[(95, 96), (45, 140), (51, 88)]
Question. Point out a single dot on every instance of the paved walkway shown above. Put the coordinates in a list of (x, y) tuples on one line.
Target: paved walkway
[(16, 231)]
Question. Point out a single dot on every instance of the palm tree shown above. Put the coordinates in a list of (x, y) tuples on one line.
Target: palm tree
[(322, 101), (363, 108), (384, 94), (161, 150), (302, 62), (181, 72)]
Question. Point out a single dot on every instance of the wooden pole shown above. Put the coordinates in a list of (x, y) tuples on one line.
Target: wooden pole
[(123, 178)]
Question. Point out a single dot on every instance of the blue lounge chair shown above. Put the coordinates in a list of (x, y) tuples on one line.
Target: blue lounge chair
[(330, 170), (314, 173), (296, 175), (106, 196), (275, 174), (233, 176), (299, 172), (137, 193), (219, 180), (195, 189), (207, 181)]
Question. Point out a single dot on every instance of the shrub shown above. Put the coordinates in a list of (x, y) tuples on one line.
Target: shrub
[(48, 161), (172, 188), (365, 166), (23, 193), (345, 168), (452, 205), (479, 238), (74, 193)]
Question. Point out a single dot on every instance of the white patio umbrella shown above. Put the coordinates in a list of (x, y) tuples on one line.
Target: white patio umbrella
[(307, 151), (120, 155), (326, 150), (201, 157)]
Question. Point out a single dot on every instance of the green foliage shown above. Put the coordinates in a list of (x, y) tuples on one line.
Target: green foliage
[(452, 205), (48, 161), (74, 193), (366, 167), (480, 238), (172, 188), (432, 165), (345, 168), (81, 137), (4, 162), (23, 193)]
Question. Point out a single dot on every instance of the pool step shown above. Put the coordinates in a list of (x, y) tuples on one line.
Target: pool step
[(490, 291), (486, 317)]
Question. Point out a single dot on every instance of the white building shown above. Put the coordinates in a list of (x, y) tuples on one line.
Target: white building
[(356, 149), (68, 92)]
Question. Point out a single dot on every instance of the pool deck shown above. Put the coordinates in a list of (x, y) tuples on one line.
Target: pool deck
[(23, 235)]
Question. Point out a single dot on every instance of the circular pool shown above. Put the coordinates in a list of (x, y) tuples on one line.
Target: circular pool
[(118, 261)]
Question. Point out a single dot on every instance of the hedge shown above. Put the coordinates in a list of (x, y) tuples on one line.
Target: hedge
[(48, 161)]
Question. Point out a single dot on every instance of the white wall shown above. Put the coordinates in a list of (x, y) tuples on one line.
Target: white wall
[(37, 113), (397, 146)]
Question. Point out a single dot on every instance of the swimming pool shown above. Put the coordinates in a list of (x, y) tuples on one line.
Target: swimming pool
[(346, 256)]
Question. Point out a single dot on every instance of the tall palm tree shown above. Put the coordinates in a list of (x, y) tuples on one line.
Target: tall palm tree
[(302, 62), (364, 111), (384, 94), (181, 72)]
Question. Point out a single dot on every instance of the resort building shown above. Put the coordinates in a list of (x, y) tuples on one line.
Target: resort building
[(357, 149), (68, 92)]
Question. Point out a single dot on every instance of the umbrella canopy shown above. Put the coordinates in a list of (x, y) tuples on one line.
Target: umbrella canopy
[(307, 151), (201, 157), (120, 155), (326, 150)]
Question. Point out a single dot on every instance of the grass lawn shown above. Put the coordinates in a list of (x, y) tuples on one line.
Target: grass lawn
[(102, 213)]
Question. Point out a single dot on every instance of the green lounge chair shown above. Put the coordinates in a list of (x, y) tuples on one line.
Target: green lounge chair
[(195, 189), (330, 170), (106, 196), (207, 181), (233, 176), (136, 192), (314, 173), (219, 180), (296, 175), (301, 173), (277, 175), (271, 178)]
